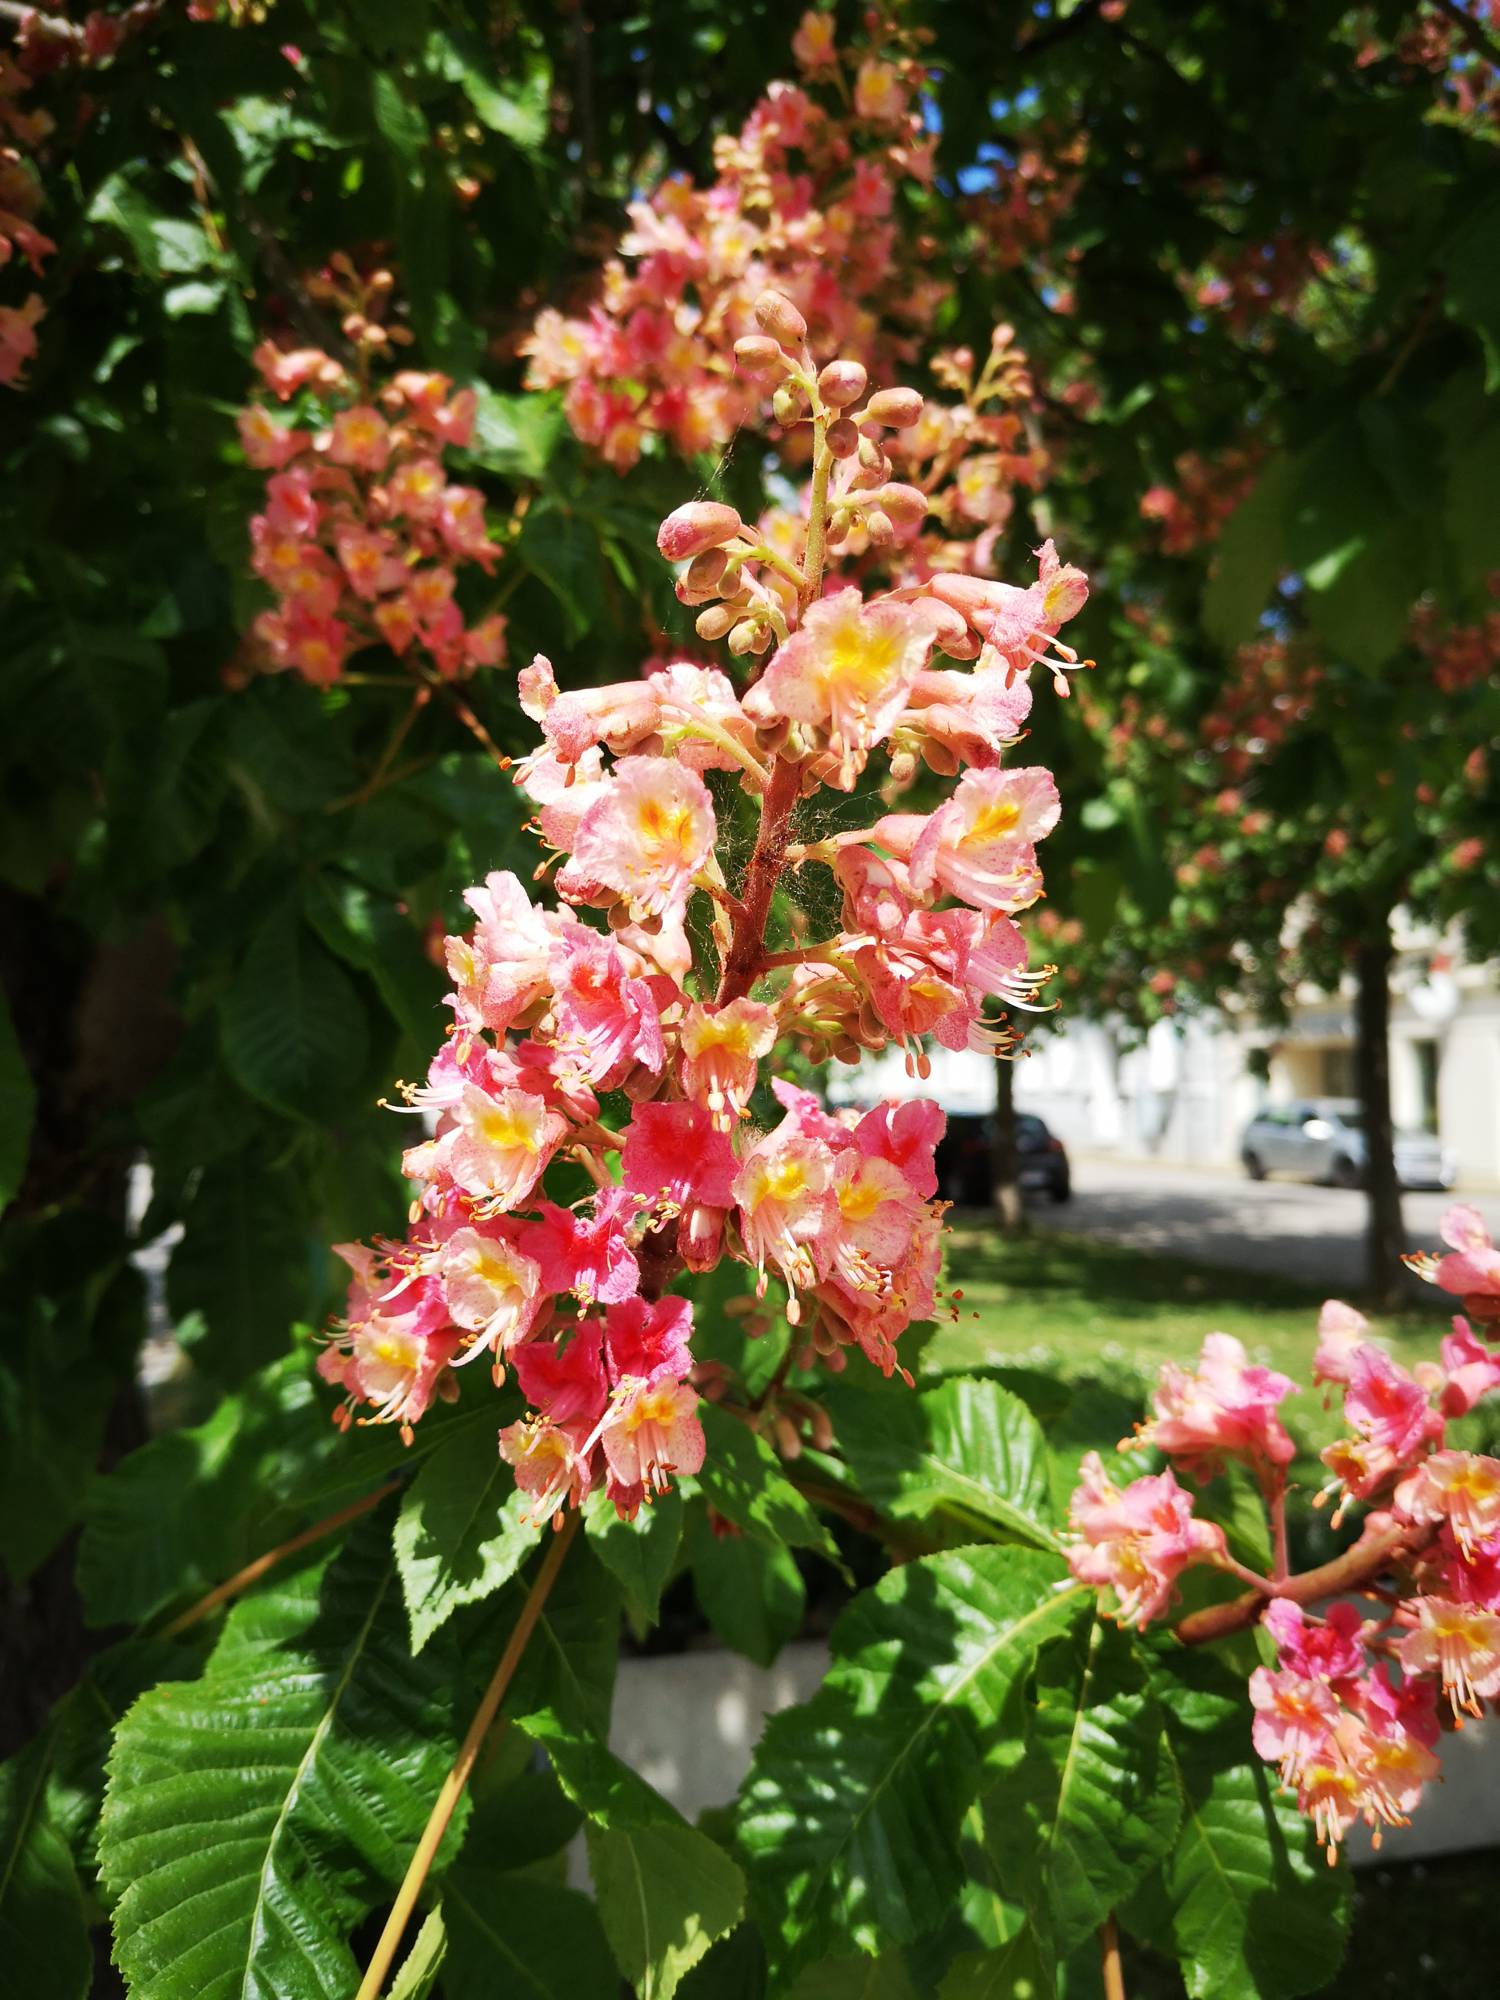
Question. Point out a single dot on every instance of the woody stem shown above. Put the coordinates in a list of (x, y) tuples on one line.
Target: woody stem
[(458, 1777), (1112, 1973), (1352, 1570), (743, 961), (254, 1571)]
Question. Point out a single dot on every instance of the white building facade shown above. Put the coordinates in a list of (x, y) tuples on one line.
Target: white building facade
[(1185, 1092)]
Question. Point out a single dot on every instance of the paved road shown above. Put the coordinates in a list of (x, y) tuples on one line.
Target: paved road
[(1220, 1217)]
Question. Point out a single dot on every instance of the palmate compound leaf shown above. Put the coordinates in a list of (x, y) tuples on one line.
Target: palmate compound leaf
[(255, 1815), (1245, 1899), (1093, 1802), (850, 1817), (966, 1449)]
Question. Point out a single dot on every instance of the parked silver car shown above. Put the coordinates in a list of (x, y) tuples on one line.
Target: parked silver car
[(1323, 1139)]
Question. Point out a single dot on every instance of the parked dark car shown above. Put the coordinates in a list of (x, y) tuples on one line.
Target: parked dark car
[(966, 1160)]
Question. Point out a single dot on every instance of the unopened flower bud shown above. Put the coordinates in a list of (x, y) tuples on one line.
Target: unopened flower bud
[(704, 572), (843, 438), (898, 409), (879, 528), (776, 315), (786, 405), (695, 528), (758, 354), (871, 456), (906, 505), (788, 1443), (842, 383), (745, 637), (715, 622)]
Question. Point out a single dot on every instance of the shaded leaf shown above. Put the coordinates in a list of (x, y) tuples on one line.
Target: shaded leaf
[(744, 1479), (750, 1592), (640, 1554), (17, 1109), (1093, 1803), (293, 1028), (44, 1939), (850, 1817)]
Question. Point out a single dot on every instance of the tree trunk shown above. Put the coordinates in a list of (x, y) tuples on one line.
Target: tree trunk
[(1004, 1169), (1385, 1237)]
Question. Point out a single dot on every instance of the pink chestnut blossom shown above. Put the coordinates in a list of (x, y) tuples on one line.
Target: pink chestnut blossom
[(721, 1051), (607, 1018), (782, 1194), (1460, 1644), (648, 835), (492, 1289), (845, 674), (1472, 1267), (1340, 1331), (1224, 1408), (1461, 1488), (980, 845), (497, 1147), (1136, 1540), (1471, 1370)]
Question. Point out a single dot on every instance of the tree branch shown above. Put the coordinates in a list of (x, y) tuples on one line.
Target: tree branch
[(1348, 1572)]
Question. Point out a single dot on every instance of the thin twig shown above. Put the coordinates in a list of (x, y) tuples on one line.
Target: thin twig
[(452, 1791), (254, 1571), (1112, 1973)]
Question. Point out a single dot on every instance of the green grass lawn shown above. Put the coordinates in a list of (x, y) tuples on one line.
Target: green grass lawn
[(1075, 1307)]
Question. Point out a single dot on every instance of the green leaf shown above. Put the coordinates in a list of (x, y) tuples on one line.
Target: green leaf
[(44, 1939), (1093, 1803), (514, 435), (370, 933), (293, 1028), (460, 1534), (518, 113), (188, 1509), (517, 1936), (966, 1448), (1245, 1899), (1020, 1969), (860, 1978), (1471, 260), (244, 1264), (743, 1478), (750, 1591), (664, 1890), (17, 1109), (398, 121), (419, 1969), (851, 1814), (1249, 559), (255, 1815), (640, 1554)]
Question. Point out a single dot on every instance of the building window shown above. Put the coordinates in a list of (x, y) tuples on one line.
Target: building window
[(1337, 1066), (1426, 1053)]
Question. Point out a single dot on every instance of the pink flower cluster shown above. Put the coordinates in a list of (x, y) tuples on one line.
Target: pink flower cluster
[(1350, 1712), (804, 200), (626, 1033), (364, 534), (22, 132), (44, 43), (1197, 509)]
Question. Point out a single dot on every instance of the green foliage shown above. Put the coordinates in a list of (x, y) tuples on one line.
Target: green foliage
[(460, 1534), (43, 1931), (254, 1815), (852, 1812)]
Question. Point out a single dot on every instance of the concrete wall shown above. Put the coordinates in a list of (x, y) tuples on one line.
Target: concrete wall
[(689, 1724)]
